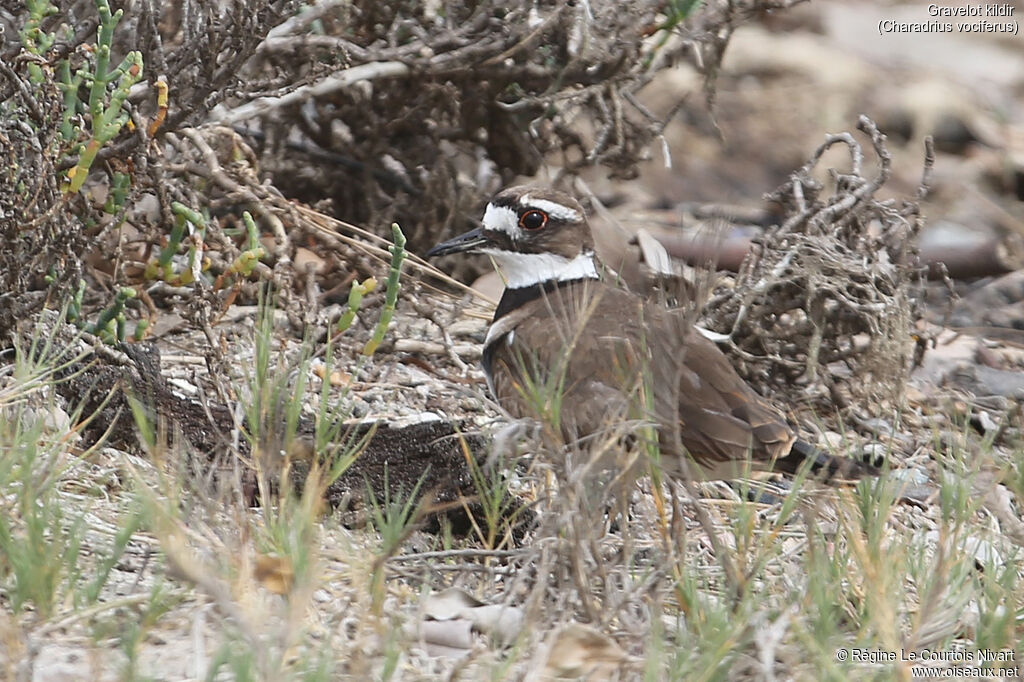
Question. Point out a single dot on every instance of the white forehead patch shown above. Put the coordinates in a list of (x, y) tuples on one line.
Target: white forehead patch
[(502, 219), (526, 269), (552, 208)]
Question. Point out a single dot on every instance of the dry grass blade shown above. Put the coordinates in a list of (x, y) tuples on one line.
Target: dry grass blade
[(376, 247)]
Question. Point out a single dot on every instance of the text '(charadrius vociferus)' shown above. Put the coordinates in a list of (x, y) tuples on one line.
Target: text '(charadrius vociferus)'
[(609, 353)]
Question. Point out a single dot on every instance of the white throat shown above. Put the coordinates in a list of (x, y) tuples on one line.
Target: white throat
[(526, 269)]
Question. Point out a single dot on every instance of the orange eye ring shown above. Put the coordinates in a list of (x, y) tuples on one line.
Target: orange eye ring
[(533, 220)]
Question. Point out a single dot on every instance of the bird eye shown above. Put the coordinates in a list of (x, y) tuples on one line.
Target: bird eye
[(533, 220)]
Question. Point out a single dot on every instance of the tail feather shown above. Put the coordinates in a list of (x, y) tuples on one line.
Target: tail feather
[(828, 468)]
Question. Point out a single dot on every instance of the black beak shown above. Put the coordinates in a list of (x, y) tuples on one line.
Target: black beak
[(465, 242)]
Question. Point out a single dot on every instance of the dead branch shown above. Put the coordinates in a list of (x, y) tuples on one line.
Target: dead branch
[(821, 294)]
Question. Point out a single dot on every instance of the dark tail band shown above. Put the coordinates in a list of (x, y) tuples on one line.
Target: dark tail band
[(826, 467)]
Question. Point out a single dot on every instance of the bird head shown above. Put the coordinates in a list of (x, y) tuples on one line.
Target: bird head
[(534, 235)]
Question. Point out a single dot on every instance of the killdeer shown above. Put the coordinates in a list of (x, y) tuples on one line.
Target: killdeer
[(610, 353)]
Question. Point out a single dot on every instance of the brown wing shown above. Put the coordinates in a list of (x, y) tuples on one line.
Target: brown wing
[(721, 418), (593, 345)]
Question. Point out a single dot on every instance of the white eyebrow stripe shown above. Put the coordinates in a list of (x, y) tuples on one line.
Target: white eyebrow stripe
[(553, 208)]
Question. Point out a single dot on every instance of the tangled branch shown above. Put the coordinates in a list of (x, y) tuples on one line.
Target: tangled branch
[(827, 298)]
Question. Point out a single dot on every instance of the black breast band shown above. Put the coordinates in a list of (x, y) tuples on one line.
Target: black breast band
[(513, 298)]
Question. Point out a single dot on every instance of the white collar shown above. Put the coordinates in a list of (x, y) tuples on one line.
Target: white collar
[(527, 269)]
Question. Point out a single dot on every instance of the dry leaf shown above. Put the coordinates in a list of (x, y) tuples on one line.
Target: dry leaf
[(338, 377), (305, 258), (581, 651), (501, 623), (447, 638), (274, 573), (448, 604)]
